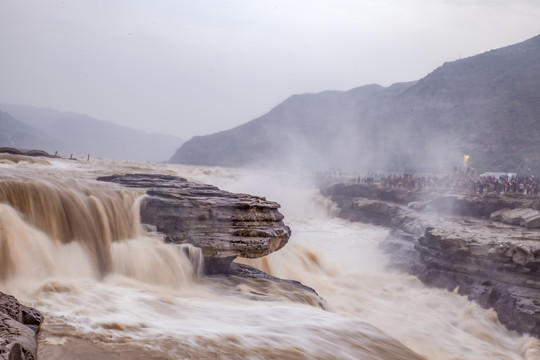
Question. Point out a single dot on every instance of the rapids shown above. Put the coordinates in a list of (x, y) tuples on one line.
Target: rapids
[(74, 249)]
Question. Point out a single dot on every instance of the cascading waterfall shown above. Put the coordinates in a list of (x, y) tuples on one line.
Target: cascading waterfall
[(70, 212), (54, 227), (74, 248), (28, 253)]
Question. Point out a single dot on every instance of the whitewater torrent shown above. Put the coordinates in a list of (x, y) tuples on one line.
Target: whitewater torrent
[(74, 249)]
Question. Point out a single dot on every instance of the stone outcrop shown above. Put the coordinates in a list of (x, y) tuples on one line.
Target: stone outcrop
[(14, 151), (527, 218), (472, 205), (19, 326), (223, 224), (450, 241), (262, 286)]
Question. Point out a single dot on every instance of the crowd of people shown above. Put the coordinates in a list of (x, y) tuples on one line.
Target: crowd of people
[(468, 182)]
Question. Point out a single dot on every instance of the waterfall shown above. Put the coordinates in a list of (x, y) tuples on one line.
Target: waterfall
[(54, 226)]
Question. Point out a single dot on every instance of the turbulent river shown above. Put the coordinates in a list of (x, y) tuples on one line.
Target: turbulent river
[(59, 229)]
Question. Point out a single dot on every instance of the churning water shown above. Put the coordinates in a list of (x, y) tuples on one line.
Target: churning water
[(74, 249)]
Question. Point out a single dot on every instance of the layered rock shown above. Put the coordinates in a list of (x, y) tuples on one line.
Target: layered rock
[(450, 241), (527, 218), (19, 326), (223, 224), (14, 151), (257, 284)]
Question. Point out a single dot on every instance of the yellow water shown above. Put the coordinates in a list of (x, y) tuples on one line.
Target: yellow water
[(74, 248)]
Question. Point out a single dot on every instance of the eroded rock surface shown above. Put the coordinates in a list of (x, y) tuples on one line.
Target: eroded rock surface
[(14, 151), (223, 224), (258, 285), (527, 218), (19, 325), (450, 241)]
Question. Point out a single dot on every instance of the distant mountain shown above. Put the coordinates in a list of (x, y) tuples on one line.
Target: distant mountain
[(486, 106), (70, 133), (15, 133)]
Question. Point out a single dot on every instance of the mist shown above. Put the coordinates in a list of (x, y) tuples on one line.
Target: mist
[(357, 131), (187, 69), (68, 134), (484, 106), (153, 294), (268, 95), (343, 261)]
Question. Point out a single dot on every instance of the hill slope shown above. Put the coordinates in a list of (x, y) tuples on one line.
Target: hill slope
[(487, 106), (70, 133), (15, 133)]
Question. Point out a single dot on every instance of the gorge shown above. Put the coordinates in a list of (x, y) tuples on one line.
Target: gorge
[(459, 242), (114, 282)]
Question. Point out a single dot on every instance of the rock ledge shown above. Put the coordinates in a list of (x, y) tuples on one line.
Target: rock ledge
[(450, 241), (19, 326), (223, 224)]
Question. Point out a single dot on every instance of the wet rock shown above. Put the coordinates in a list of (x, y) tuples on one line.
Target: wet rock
[(223, 224), (494, 267), (527, 218), (531, 221), (497, 215), (450, 244), (259, 285), (368, 191), (14, 151), (19, 325), (452, 204), (31, 318), (418, 205)]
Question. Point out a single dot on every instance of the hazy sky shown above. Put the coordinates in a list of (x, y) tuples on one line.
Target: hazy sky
[(196, 67)]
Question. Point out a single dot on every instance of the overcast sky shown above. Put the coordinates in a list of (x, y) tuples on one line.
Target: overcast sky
[(197, 67)]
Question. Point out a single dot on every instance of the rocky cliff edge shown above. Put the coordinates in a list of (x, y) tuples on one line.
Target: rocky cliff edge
[(459, 241), (223, 224)]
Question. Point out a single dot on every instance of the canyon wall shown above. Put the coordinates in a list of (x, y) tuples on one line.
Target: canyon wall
[(452, 241)]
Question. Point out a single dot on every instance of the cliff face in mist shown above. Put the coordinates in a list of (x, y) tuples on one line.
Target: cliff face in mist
[(486, 106), (70, 133)]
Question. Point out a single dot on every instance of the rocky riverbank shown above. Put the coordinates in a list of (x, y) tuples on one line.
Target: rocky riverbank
[(487, 247), (19, 326), (223, 225)]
